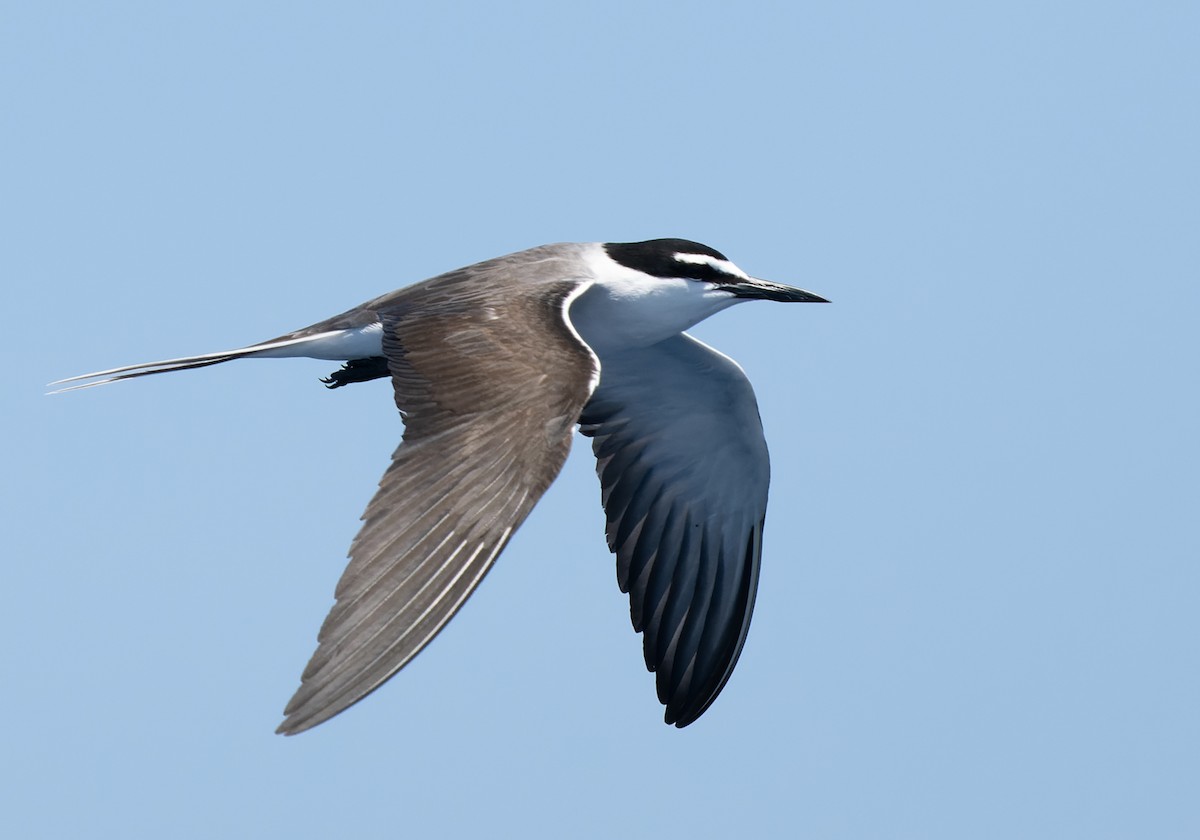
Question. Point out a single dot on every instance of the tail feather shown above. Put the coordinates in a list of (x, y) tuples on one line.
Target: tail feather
[(117, 374), (146, 370)]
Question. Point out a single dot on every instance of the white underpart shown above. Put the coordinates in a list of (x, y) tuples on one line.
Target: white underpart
[(338, 345), (626, 308)]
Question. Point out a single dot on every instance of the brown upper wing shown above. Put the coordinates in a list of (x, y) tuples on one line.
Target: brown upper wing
[(490, 390)]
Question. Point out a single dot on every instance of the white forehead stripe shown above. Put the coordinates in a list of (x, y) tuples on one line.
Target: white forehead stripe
[(724, 266)]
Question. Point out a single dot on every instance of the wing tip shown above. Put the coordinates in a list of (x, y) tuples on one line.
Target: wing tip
[(671, 719), (685, 714), (299, 717), (289, 727)]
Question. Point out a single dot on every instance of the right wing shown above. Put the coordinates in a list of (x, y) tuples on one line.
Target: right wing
[(684, 472)]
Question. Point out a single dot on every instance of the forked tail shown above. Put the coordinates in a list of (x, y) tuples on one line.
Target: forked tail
[(278, 348)]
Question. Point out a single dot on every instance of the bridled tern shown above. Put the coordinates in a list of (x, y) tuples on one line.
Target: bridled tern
[(493, 365)]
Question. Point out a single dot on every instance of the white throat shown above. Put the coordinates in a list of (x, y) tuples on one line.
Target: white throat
[(626, 308)]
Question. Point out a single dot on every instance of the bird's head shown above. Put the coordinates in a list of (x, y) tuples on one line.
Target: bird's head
[(645, 292), (683, 259)]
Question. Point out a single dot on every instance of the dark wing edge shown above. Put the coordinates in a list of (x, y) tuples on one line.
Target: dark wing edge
[(684, 471), (476, 456)]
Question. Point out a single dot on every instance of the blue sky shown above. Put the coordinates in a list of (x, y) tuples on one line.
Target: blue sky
[(977, 614)]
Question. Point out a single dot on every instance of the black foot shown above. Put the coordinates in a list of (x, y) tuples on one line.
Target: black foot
[(358, 370)]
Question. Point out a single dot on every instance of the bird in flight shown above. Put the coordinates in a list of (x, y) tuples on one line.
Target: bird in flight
[(492, 367)]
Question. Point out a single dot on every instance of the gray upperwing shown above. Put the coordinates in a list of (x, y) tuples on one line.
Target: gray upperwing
[(490, 383)]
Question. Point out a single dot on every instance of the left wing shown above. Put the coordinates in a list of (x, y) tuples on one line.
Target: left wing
[(490, 386), (683, 471)]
